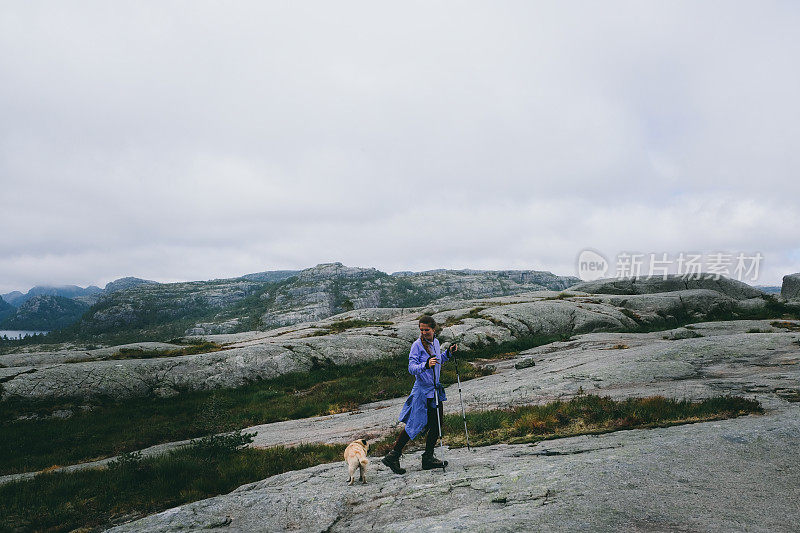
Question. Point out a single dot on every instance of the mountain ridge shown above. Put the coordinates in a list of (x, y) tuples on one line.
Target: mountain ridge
[(132, 309)]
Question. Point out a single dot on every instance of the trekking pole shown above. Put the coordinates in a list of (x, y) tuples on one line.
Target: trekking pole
[(438, 418), (463, 414)]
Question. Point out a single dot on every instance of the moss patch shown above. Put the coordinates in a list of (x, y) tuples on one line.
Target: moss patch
[(141, 353), (343, 325)]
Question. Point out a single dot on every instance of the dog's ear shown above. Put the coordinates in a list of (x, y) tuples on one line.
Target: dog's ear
[(364, 442)]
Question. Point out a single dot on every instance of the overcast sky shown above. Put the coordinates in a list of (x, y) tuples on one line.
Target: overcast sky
[(198, 140)]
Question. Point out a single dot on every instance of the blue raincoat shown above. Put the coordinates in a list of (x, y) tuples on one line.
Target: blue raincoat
[(415, 410)]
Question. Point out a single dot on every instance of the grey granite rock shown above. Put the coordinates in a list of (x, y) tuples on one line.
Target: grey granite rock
[(726, 360), (650, 284), (791, 286), (682, 333), (732, 475), (167, 376), (125, 283), (136, 305), (739, 474), (260, 355)]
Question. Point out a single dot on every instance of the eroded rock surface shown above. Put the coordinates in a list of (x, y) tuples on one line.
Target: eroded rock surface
[(731, 475), (260, 355)]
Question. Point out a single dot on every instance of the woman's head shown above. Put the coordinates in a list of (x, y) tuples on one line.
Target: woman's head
[(427, 327)]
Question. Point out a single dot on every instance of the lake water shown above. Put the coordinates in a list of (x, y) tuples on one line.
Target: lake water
[(16, 333)]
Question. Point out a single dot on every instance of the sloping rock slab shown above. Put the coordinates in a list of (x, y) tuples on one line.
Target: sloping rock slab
[(724, 360), (265, 356), (75, 355), (167, 376), (732, 475)]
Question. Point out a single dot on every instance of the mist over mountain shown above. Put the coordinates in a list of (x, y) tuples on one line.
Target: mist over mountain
[(45, 312), (12, 297), (89, 295)]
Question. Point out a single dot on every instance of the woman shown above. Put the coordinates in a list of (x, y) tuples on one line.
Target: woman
[(419, 412)]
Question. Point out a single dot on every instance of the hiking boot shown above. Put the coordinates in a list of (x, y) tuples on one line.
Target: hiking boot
[(392, 460), (430, 461)]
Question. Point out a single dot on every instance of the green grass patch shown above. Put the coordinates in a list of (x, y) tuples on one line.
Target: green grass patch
[(455, 320), (493, 349), (133, 486), (784, 324), (588, 414), (584, 414), (561, 296)]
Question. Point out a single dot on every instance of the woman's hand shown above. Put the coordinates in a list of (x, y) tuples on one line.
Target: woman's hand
[(432, 362), (453, 347)]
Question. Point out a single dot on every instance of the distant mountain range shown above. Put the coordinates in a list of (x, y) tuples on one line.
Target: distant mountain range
[(769, 289), (88, 295), (132, 309), (52, 307), (44, 313)]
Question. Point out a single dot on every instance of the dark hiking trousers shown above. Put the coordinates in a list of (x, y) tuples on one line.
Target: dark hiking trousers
[(432, 430), (433, 426)]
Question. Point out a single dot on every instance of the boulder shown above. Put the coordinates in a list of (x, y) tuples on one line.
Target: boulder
[(791, 286), (654, 284)]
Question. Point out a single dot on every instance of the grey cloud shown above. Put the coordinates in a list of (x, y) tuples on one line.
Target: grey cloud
[(186, 140)]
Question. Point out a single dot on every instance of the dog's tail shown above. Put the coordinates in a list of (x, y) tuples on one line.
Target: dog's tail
[(364, 461)]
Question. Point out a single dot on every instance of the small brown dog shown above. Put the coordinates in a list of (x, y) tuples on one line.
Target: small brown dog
[(355, 455)]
